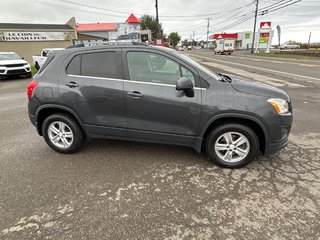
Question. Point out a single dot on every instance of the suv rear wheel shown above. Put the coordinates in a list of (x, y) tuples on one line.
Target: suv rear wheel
[(232, 145), (62, 133)]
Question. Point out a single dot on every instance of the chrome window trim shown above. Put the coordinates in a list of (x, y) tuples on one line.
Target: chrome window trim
[(130, 81)]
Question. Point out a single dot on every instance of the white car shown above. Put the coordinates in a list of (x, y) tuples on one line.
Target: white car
[(289, 46), (12, 64), (38, 61)]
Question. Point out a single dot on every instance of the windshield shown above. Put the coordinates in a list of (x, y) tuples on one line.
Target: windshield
[(9, 56), (198, 65)]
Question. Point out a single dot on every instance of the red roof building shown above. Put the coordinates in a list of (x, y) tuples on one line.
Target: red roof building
[(133, 19), (96, 27)]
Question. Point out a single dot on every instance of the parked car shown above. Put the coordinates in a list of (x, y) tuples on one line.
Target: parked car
[(38, 61), (155, 94), (11, 64), (289, 46)]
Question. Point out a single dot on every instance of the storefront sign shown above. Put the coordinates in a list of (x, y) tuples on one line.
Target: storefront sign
[(247, 35), (265, 25), (34, 36)]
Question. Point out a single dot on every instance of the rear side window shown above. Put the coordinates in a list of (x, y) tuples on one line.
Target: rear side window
[(101, 64), (98, 64)]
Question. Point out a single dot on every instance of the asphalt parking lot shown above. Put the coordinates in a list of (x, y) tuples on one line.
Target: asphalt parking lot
[(127, 190)]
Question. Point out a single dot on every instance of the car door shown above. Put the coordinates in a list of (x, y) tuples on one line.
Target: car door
[(155, 110), (93, 88)]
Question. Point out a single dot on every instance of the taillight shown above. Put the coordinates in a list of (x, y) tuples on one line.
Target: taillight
[(31, 87)]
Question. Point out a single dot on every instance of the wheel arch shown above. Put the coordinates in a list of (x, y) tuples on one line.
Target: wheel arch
[(254, 123), (46, 110)]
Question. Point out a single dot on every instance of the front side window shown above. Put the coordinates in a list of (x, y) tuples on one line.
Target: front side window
[(155, 68)]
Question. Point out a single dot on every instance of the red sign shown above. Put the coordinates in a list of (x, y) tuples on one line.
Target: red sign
[(225, 35), (265, 25)]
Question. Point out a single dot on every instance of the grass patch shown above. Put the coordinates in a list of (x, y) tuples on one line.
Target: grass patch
[(284, 55), (33, 70)]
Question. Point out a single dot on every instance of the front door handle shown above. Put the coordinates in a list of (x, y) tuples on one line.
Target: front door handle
[(72, 84), (135, 94)]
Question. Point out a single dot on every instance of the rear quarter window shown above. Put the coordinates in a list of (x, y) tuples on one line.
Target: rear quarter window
[(74, 66)]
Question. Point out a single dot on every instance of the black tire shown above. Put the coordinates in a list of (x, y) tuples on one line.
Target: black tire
[(78, 135), (240, 129), (37, 66)]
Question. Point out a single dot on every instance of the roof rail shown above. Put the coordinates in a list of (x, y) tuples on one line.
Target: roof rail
[(85, 43), (75, 46)]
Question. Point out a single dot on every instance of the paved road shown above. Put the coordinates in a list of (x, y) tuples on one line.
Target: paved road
[(295, 69), (127, 190)]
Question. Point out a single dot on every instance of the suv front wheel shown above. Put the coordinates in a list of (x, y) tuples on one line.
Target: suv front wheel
[(62, 133), (232, 145)]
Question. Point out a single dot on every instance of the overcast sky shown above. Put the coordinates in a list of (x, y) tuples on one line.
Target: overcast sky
[(187, 17)]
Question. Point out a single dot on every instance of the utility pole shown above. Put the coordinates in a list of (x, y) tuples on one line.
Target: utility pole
[(157, 19), (208, 32), (254, 27), (194, 32), (309, 40)]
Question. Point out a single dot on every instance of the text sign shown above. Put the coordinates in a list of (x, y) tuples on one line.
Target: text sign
[(264, 38), (34, 36)]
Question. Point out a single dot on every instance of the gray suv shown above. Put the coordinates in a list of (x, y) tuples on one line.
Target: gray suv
[(138, 92)]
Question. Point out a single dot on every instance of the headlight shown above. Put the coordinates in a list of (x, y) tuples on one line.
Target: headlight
[(280, 105)]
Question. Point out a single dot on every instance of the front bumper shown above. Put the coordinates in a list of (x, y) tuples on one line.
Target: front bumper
[(281, 135), (272, 148), (5, 71)]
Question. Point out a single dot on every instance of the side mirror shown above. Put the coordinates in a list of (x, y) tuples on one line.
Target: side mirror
[(22, 58), (186, 85)]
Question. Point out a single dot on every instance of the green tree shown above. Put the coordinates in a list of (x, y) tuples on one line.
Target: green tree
[(175, 38), (149, 22)]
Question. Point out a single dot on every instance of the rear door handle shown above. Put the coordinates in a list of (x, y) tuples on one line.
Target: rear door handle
[(72, 84), (135, 94)]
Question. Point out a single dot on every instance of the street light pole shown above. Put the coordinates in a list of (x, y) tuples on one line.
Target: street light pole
[(254, 27)]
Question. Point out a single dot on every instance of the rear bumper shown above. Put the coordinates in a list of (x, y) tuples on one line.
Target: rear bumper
[(33, 120)]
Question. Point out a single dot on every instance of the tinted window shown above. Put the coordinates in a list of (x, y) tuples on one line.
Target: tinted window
[(151, 67), (100, 64), (74, 66)]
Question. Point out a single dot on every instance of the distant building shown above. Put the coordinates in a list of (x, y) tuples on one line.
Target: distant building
[(243, 40), (29, 39), (129, 30)]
